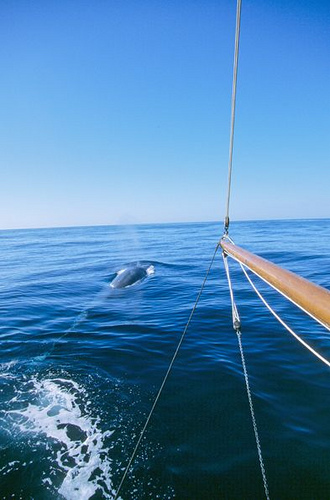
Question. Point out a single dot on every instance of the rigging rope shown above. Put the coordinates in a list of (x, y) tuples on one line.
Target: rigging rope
[(233, 108), (286, 326), (235, 315), (254, 422), (272, 285), (319, 356), (237, 328), (165, 378)]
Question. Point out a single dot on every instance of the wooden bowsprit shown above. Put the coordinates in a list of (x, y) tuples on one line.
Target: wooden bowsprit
[(312, 299)]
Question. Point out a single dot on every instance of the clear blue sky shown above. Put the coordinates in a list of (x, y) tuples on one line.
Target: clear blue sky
[(117, 111)]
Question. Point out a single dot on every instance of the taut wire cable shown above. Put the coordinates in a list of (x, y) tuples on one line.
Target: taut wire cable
[(233, 108), (226, 236), (235, 315), (279, 319), (237, 328), (295, 335), (165, 378)]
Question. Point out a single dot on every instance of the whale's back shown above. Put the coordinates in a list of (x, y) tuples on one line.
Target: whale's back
[(131, 275)]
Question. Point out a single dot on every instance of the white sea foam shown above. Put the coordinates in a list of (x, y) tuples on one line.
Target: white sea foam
[(5, 369), (59, 412)]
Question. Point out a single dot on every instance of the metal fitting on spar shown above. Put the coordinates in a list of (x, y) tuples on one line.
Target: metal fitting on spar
[(226, 225)]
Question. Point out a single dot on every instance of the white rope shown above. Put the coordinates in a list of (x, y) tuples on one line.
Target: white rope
[(319, 356), (226, 236), (236, 325), (164, 379), (287, 297), (233, 108), (234, 311)]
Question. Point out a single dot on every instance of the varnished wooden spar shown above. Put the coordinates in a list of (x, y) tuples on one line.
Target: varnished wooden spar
[(314, 299)]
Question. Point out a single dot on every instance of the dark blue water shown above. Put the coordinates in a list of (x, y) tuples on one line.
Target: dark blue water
[(81, 364)]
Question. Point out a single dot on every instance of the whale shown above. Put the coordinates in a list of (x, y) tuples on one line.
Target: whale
[(131, 275)]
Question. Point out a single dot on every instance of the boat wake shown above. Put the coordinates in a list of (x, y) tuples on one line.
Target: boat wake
[(54, 414)]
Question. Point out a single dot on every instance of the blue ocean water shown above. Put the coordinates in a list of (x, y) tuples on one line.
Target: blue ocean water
[(80, 364)]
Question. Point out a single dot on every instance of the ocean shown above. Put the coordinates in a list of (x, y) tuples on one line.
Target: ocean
[(81, 363)]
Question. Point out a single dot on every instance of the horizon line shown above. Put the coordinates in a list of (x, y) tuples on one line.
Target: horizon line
[(31, 228)]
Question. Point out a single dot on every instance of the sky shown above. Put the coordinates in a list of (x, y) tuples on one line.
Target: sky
[(118, 111)]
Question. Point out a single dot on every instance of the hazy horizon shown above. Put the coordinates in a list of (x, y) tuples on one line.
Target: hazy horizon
[(220, 222)]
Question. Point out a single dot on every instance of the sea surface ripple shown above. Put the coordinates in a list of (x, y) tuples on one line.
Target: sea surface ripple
[(80, 364)]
